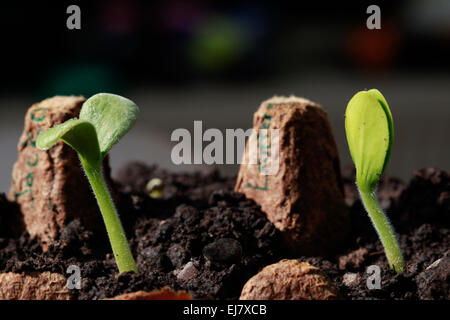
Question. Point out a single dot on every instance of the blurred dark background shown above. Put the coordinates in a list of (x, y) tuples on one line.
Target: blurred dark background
[(182, 61)]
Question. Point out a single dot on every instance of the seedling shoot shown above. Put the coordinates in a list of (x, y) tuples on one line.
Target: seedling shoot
[(370, 134), (104, 119)]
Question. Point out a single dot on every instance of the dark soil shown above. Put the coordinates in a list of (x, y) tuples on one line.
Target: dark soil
[(202, 237)]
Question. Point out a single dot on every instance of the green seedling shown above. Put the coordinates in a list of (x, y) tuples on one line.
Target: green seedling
[(104, 120), (370, 134), (155, 188)]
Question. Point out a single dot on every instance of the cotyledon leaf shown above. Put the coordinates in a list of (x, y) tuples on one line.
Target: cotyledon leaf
[(78, 134), (112, 116), (370, 133), (377, 94)]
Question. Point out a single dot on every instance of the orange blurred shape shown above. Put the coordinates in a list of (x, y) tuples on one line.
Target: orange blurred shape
[(374, 49), (164, 293)]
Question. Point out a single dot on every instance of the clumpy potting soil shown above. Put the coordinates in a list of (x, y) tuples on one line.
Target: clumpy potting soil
[(202, 237)]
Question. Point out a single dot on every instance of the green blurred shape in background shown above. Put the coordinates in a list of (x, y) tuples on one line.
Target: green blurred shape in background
[(80, 78), (217, 43)]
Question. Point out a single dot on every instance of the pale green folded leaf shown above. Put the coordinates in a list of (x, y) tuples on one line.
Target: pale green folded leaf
[(112, 116), (79, 134), (370, 134)]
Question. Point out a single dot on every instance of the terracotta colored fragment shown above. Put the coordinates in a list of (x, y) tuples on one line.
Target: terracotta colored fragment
[(305, 198), (161, 294), (34, 286), (289, 280), (50, 186)]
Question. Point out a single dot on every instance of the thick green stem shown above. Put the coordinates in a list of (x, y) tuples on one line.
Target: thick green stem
[(384, 230), (122, 253)]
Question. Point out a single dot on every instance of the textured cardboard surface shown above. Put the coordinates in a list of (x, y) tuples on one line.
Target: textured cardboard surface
[(50, 186), (289, 280), (304, 199)]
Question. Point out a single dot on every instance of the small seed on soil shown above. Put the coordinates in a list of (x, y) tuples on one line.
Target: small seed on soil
[(434, 264), (224, 250), (35, 286), (188, 272), (154, 188)]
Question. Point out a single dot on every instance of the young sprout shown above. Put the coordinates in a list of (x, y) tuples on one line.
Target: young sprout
[(155, 188), (104, 120), (370, 134)]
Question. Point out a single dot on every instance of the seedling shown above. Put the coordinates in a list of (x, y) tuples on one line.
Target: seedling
[(104, 120), (370, 134)]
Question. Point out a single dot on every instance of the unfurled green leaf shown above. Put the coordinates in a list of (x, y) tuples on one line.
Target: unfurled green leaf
[(78, 134), (112, 116), (370, 133)]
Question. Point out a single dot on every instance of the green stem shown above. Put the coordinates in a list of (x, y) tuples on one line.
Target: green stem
[(122, 253), (384, 230)]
